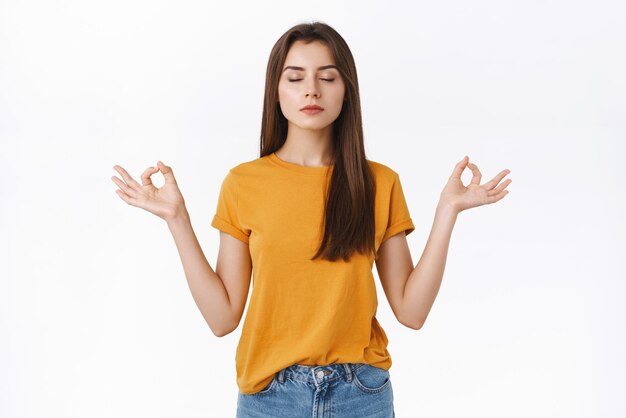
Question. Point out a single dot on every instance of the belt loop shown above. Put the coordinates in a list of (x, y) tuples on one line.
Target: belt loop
[(348, 370), (281, 376)]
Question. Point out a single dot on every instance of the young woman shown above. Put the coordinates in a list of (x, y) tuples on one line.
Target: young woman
[(312, 215)]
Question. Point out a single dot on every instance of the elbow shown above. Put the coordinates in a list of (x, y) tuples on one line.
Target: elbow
[(222, 324), (223, 329), (416, 325), (409, 318), (221, 332)]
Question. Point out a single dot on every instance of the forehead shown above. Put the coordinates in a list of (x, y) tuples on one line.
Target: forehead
[(311, 55)]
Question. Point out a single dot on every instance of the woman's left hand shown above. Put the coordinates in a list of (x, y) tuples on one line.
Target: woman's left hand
[(459, 197)]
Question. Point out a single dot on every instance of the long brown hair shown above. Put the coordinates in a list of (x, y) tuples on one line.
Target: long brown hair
[(349, 212)]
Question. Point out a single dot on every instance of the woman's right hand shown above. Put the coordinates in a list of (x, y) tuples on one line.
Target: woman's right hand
[(166, 202)]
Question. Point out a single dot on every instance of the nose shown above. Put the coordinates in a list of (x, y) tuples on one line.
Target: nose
[(312, 90)]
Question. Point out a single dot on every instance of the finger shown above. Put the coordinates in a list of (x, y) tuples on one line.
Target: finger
[(167, 172), (494, 199), (498, 189), (459, 167), (125, 189), (493, 182), (126, 198), (476, 173), (127, 178), (145, 176)]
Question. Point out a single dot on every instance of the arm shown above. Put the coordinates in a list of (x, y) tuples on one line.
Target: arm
[(424, 281), (411, 291), (415, 288), (221, 295)]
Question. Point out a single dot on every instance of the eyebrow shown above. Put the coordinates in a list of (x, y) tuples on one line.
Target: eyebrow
[(323, 67)]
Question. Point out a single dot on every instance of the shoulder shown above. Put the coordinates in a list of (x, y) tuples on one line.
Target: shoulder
[(383, 174), (247, 169)]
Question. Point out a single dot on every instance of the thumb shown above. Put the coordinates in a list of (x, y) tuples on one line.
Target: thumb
[(460, 167), (167, 172)]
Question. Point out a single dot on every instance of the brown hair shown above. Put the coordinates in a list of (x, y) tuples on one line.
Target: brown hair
[(349, 213)]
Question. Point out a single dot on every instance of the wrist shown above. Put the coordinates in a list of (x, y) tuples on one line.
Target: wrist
[(180, 216), (447, 208)]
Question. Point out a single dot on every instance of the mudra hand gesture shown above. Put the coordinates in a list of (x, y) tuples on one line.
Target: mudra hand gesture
[(461, 197), (166, 202)]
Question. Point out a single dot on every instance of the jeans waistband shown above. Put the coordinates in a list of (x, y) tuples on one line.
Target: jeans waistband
[(319, 374)]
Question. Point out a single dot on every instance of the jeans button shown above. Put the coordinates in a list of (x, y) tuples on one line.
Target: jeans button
[(320, 374)]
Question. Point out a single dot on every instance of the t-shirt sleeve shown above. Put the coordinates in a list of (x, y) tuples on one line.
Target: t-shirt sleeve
[(399, 216), (227, 216)]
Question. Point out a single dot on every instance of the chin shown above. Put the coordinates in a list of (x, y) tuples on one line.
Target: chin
[(313, 126)]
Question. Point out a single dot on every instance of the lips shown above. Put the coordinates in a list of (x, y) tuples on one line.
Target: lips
[(312, 107)]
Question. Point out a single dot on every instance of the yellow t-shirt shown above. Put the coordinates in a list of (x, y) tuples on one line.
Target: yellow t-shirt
[(311, 312)]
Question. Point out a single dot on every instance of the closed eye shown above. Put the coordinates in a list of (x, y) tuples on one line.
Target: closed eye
[(325, 79)]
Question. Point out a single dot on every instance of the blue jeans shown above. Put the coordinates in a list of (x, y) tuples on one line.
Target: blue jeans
[(338, 390)]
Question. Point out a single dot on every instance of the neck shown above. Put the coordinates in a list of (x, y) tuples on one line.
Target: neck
[(311, 148)]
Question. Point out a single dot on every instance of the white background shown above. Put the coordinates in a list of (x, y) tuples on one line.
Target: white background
[(96, 318)]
